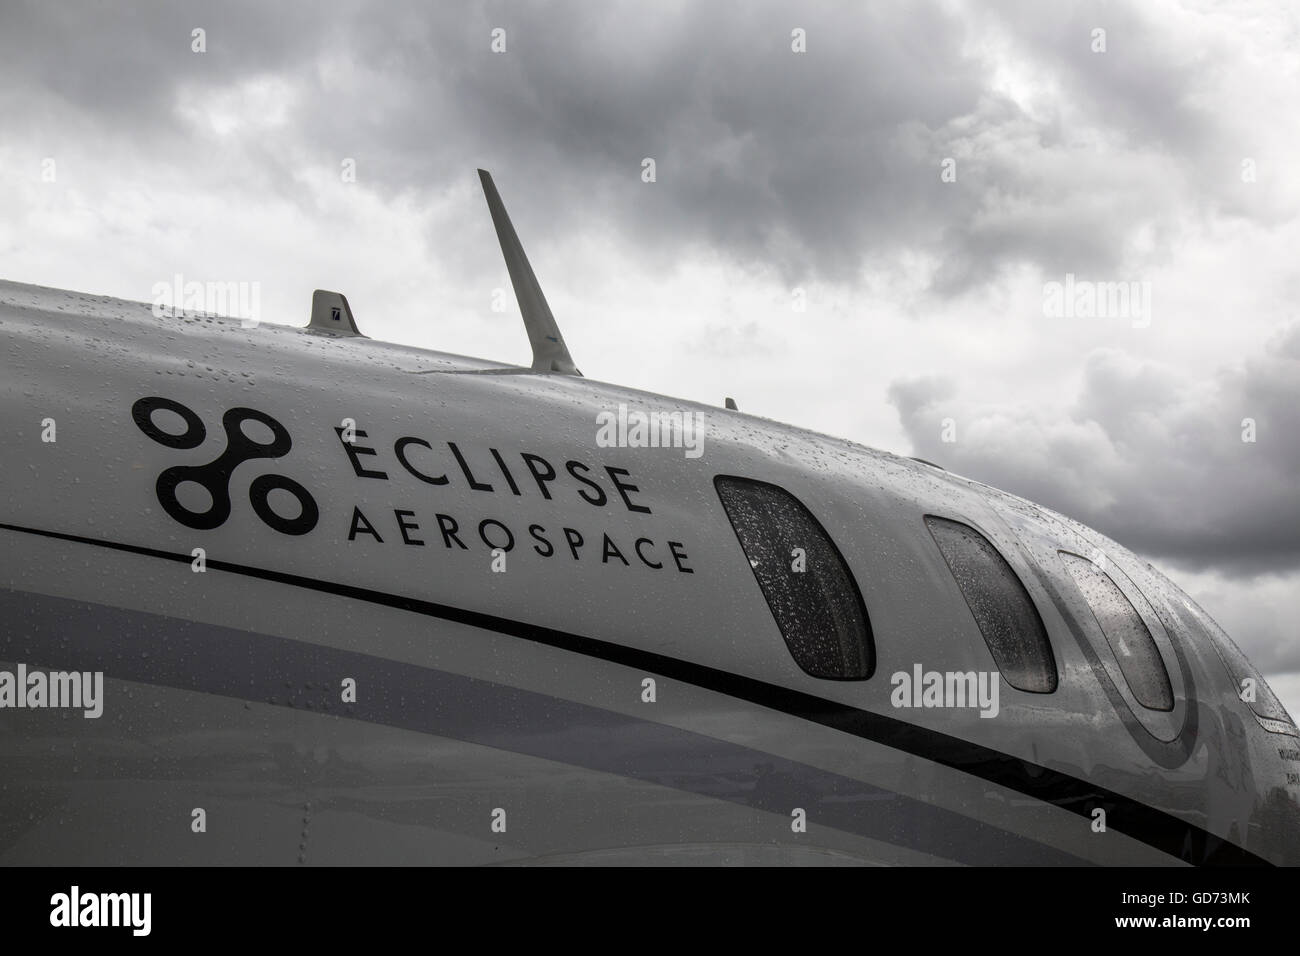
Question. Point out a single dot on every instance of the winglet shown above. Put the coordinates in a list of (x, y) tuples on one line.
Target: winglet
[(330, 312), (550, 354)]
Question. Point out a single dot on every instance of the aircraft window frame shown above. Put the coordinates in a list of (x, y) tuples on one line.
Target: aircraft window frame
[(1266, 706), (1025, 657), (1135, 670), (769, 523)]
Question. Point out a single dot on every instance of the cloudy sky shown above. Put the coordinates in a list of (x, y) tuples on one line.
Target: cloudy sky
[(860, 238)]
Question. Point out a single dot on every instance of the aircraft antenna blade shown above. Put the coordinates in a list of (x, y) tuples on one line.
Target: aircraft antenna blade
[(550, 354)]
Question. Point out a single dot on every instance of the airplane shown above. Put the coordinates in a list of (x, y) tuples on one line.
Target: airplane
[(339, 601)]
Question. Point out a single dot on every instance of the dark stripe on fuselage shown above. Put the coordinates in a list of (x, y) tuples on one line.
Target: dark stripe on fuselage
[(61, 633), (1150, 825)]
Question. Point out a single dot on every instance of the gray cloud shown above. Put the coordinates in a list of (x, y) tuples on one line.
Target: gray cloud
[(817, 165), (1145, 454)]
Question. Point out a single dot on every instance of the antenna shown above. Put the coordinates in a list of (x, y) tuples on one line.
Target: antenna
[(330, 312), (550, 354)]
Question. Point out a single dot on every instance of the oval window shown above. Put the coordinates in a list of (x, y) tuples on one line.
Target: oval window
[(1002, 608), (803, 577)]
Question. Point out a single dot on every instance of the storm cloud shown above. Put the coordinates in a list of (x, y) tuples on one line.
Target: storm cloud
[(1201, 473), (822, 165)]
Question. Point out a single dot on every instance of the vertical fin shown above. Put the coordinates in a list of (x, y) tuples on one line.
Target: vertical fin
[(550, 354)]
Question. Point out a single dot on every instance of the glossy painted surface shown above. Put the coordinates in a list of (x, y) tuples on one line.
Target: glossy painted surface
[(223, 687)]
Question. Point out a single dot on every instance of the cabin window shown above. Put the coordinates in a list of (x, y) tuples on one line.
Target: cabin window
[(1251, 687), (1134, 648), (804, 578), (1002, 608)]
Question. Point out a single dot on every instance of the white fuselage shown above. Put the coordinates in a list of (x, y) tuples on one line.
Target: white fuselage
[(489, 632)]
